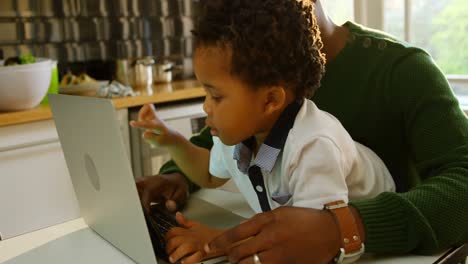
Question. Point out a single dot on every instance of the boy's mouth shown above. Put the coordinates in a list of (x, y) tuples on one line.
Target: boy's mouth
[(213, 131), (208, 123)]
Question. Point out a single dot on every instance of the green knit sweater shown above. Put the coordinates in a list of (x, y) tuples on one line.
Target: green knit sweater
[(393, 98)]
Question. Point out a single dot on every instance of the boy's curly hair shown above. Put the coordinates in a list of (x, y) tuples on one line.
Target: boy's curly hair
[(273, 42)]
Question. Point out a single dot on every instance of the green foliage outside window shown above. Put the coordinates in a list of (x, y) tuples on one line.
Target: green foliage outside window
[(450, 37)]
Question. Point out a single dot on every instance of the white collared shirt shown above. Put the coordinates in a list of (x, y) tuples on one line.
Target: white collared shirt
[(319, 163)]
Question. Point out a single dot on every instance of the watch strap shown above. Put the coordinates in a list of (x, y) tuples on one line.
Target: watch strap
[(351, 243)]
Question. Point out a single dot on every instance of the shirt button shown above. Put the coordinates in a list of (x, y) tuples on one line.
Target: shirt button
[(382, 44), (259, 188), (367, 43)]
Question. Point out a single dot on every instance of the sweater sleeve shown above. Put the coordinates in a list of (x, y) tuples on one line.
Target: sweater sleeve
[(204, 140), (433, 214)]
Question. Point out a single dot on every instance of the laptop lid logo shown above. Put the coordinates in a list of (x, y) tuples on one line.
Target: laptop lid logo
[(92, 172)]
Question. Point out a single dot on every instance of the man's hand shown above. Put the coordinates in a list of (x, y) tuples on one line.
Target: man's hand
[(284, 235), (169, 188)]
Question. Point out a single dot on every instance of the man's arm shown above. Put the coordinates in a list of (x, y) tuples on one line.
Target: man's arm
[(432, 215)]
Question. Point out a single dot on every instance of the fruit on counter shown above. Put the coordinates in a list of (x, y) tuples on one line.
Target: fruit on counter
[(71, 79), (84, 78), (22, 59), (67, 79)]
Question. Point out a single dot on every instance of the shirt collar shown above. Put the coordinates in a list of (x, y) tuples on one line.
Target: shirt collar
[(273, 144)]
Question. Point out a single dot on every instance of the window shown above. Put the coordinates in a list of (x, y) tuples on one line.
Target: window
[(344, 12), (438, 26)]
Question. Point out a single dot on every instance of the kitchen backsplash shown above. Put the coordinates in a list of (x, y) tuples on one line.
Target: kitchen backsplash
[(77, 31)]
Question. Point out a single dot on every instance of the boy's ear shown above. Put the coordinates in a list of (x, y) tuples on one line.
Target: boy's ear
[(275, 99)]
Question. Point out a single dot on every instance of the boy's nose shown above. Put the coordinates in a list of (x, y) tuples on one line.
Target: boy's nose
[(206, 106)]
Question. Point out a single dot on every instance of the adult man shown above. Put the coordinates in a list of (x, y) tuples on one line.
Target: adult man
[(392, 98)]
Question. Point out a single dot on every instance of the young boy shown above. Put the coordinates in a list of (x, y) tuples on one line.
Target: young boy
[(258, 60)]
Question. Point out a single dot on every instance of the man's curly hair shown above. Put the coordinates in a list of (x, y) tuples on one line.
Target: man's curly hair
[(273, 42)]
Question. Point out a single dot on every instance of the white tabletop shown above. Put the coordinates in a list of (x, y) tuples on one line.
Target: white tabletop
[(14, 247)]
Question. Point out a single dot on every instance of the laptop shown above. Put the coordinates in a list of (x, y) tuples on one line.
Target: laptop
[(102, 177)]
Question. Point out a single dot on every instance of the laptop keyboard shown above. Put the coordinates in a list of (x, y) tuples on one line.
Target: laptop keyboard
[(159, 221)]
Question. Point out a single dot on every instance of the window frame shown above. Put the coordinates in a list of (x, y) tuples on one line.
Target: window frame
[(371, 13)]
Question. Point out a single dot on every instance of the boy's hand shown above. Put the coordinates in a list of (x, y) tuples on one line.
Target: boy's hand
[(186, 242), (156, 132)]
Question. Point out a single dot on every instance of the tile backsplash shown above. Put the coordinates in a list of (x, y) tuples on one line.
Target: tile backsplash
[(77, 31)]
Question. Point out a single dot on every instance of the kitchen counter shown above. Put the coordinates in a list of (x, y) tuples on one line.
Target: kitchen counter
[(162, 93), (57, 243)]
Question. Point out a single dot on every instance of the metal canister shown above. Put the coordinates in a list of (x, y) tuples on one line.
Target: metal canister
[(162, 72), (137, 73), (142, 73)]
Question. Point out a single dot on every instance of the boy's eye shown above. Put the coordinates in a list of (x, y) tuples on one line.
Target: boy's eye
[(216, 98)]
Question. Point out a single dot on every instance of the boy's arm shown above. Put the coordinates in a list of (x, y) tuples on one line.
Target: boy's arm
[(204, 140), (316, 180), (193, 161)]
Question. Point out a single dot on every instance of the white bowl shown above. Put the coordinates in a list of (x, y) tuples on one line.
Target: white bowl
[(24, 86), (40, 62)]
